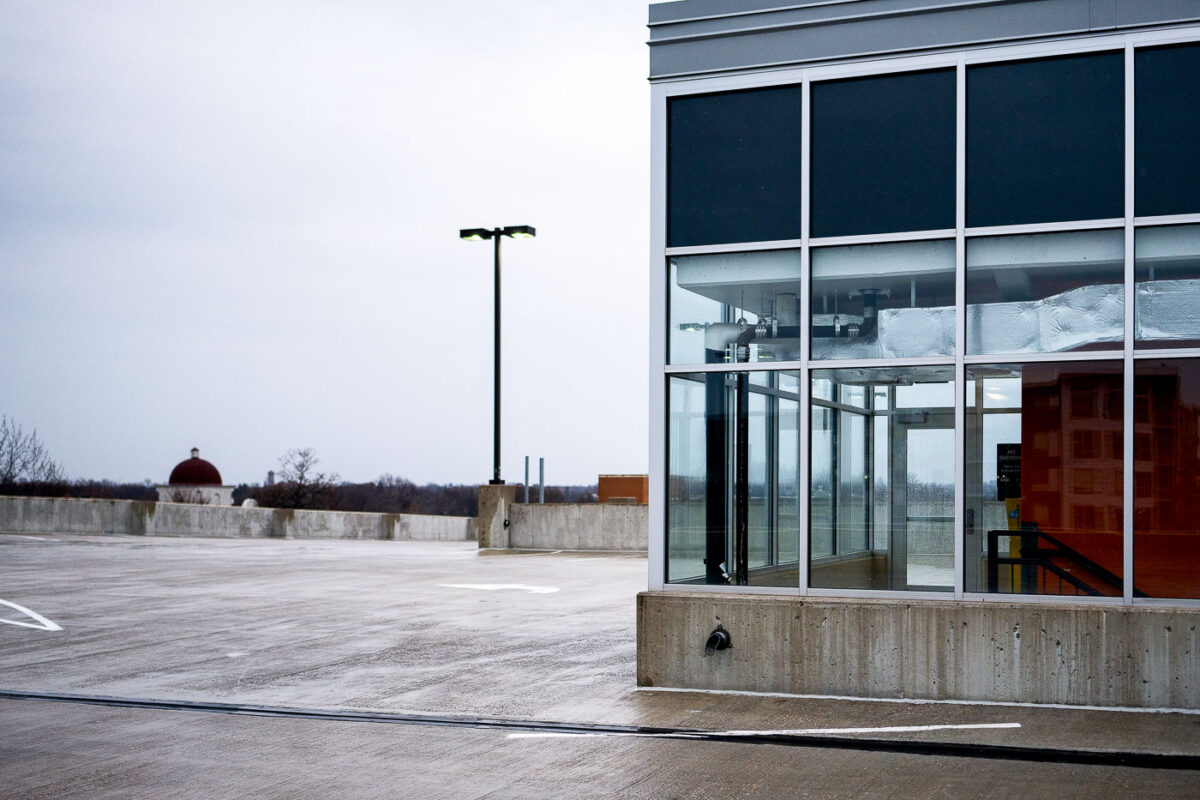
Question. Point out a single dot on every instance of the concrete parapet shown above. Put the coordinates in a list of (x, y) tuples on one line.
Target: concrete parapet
[(71, 515), (578, 526), (937, 650), (495, 500)]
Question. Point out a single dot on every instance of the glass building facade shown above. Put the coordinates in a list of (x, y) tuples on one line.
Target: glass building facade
[(930, 326)]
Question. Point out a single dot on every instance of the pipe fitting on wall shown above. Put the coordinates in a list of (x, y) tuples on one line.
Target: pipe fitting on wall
[(718, 640)]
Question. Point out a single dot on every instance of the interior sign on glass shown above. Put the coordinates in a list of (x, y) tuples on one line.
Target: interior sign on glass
[(1008, 471)]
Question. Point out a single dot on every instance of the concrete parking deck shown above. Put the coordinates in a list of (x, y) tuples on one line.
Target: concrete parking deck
[(439, 629)]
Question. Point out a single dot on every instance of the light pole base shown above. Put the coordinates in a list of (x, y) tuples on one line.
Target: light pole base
[(496, 482)]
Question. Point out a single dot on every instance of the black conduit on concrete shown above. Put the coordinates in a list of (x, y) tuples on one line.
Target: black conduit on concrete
[(1109, 758)]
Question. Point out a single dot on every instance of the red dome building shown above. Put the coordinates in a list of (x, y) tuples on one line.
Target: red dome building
[(195, 480)]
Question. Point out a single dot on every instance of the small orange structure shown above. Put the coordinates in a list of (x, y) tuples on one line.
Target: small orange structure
[(624, 489)]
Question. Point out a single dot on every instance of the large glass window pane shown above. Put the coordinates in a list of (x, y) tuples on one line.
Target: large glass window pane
[(1166, 478), (882, 480), (1048, 292), (1045, 140), (733, 167), (729, 307), (687, 484), (883, 300), (1167, 138), (1043, 484), (733, 479), (883, 154), (1167, 277)]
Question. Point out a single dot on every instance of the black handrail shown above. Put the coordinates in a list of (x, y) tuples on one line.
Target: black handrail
[(1040, 558)]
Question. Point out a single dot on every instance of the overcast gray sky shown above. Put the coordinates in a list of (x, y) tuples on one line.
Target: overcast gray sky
[(234, 226)]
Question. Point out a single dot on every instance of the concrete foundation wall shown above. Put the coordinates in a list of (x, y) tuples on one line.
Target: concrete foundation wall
[(578, 526), (69, 515), (1081, 655)]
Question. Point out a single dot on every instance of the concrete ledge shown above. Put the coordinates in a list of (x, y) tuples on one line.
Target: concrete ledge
[(578, 526), (71, 515), (1070, 654)]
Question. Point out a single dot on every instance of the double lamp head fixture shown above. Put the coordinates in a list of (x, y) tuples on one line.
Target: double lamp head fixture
[(513, 231)]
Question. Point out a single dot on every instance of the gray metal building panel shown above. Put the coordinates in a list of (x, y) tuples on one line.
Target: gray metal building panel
[(706, 36), (796, 14)]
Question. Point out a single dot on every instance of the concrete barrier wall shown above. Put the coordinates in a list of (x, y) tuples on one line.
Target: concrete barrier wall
[(1074, 654), (70, 515), (578, 526)]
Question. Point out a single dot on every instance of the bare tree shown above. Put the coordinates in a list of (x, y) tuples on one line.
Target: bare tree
[(23, 457), (300, 484)]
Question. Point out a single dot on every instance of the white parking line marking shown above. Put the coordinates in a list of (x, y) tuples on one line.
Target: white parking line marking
[(494, 587), (40, 623), (785, 732)]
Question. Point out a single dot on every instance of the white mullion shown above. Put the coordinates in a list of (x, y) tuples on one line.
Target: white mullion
[(1130, 304), (881, 238), (1174, 352), (960, 326), (1041, 357), (1046, 227), (657, 539), (731, 366), (1168, 219), (733, 247), (805, 319), (883, 363)]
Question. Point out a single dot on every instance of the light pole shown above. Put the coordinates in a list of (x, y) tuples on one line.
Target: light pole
[(475, 235)]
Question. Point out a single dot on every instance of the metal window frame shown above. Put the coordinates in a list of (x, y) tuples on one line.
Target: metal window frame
[(960, 59)]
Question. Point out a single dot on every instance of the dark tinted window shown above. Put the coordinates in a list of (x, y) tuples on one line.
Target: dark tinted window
[(883, 154), (1167, 135), (733, 167), (1045, 140)]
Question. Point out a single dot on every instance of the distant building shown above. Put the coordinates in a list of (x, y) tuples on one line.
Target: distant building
[(624, 489), (195, 481)]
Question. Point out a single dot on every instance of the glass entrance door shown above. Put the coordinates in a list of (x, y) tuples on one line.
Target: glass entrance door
[(922, 502)]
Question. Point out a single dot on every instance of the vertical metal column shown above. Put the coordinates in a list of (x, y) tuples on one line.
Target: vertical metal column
[(526, 479), (496, 382), (541, 479), (741, 491)]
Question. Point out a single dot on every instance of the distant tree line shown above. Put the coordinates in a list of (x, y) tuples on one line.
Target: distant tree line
[(27, 471), (394, 495), (100, 490)]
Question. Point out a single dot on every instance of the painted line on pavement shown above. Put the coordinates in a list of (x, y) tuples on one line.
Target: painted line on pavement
[(496, 587), (39, 623)]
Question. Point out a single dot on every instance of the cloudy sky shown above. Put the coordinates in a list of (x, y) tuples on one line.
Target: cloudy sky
[(234, 226)]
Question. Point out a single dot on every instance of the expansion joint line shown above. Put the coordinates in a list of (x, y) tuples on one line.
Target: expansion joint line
[(1115, 758)]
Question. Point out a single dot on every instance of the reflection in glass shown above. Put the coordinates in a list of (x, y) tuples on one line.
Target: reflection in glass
[(1043, 465), (734, 307), (883, 300), (686, 478), (733, 479), (1166, 478), (1048, 292), (883, 154), (733, 167), (1167, 279), (882, 480), (1046, 140), (1168, 88)]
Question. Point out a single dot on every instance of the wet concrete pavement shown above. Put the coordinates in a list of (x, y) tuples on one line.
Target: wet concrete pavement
[(438, 628)]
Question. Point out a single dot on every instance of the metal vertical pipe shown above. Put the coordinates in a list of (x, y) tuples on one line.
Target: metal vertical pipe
[(496, 236), (526, 479), (741, 533), (541, 479)]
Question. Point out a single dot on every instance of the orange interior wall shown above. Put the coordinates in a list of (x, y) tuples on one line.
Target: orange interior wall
[(1071, 456), (1166, 483), (635, 486)]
